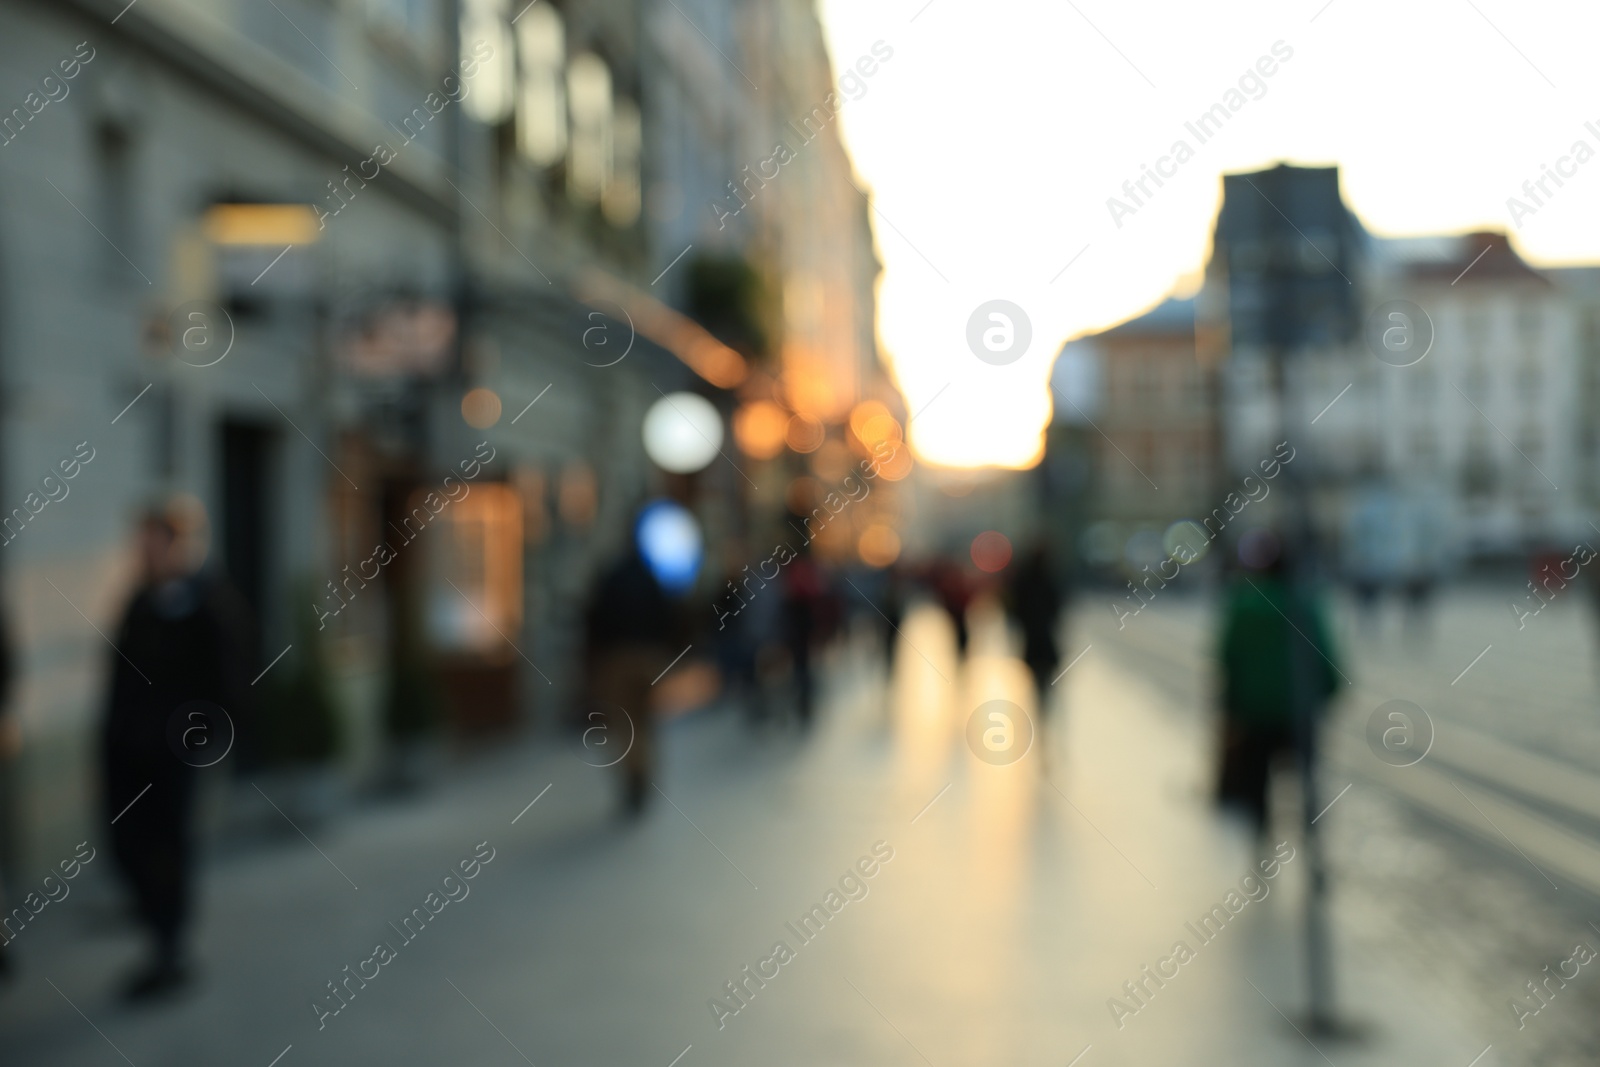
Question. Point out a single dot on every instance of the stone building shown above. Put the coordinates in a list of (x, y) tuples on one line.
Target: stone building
[(305, 259), (1436, 382)]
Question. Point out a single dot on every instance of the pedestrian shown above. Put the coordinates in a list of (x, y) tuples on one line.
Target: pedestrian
[(1263, 619), (894, 613), (1034, 597), (954, 591), (1374, 538), (630, 628), (804, 619), (1422, 543), (738, 644), (180, 650)]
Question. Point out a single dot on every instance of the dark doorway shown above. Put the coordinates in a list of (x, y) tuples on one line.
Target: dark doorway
[(247, 493)]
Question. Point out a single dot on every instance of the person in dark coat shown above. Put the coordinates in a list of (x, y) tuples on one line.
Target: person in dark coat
[(804, 626), (630, 629), (1263, 619), (179, 657), (954, 591), (1034, 597), (894, 613)]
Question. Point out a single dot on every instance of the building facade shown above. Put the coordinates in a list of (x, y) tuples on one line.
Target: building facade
[(1435, 383), (304, 261)]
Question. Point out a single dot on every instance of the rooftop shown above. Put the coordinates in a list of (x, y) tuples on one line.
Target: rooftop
[(1173, 316), (1485, 256)]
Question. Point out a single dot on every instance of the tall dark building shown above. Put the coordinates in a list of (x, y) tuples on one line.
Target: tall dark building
[(1292, 255)]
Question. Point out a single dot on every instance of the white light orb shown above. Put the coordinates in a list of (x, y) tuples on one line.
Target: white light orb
[(682, 432)]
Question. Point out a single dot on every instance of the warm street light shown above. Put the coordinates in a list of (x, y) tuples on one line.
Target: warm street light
[(261, 224)]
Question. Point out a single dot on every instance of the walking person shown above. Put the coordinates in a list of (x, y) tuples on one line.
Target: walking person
[(1034, 598), (894, 613), (630, 629), (1263, 618), (742, 629), (180, 650), (954, 591), (804, 619)]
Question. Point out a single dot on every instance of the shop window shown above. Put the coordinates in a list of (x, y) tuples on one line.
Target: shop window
[(475, 571)]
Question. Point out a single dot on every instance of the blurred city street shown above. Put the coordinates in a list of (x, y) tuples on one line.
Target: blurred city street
[(1015, 903), (678, 532)]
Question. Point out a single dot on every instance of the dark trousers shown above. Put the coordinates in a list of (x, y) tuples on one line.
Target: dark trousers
[(1248, 750), (1043, 671), (622, 681), (151, 844)]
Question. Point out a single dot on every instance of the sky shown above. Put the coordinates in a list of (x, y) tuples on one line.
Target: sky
[(993, 137)]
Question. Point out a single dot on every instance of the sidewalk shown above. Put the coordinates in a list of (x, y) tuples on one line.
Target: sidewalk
[(1010, 912)]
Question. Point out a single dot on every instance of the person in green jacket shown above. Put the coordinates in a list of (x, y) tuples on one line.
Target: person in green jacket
[(1263, 620)]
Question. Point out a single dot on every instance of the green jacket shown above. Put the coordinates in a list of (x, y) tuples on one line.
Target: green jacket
[(1257, 649)]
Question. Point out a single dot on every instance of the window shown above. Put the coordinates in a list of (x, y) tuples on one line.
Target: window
[(1477, 383), (621, 199), (1317, 252), (1529, 377), (1422, 383), (1193, 387), (1424, 446), (1248, 256), (486, 29), (115, 196), (411, 19), (1476, 331), (1147, 386), (1529, 323), (589, 99), (541, 92), (1478, 466), (1122, 383)]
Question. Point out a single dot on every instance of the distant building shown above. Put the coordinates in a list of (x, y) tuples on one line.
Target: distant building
[(1581, 287), (1489, 421), (1473, 447), (1282, 290), (1156, 451)]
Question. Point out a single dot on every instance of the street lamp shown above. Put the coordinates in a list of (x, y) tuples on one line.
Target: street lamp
[(682, 432)]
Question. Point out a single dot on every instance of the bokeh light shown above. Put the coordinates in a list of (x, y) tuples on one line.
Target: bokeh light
[(759, 428), (481, 408), (682, 432), (1186, 536), (805, 434), (862, 412), (991, 551), (878, 545), (896, 466), (670, 542), (832, 462)]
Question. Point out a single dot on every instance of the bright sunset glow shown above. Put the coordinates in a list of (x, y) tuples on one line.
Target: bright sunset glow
[(995, 136)]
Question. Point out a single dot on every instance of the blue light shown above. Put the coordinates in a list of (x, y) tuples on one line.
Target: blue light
[(670, 542)]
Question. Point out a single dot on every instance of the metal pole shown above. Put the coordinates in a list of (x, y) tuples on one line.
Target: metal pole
[(1300, 537)]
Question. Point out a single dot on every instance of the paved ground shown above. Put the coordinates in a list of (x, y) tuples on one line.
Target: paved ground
[(1442, 895), (1017, 901)]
